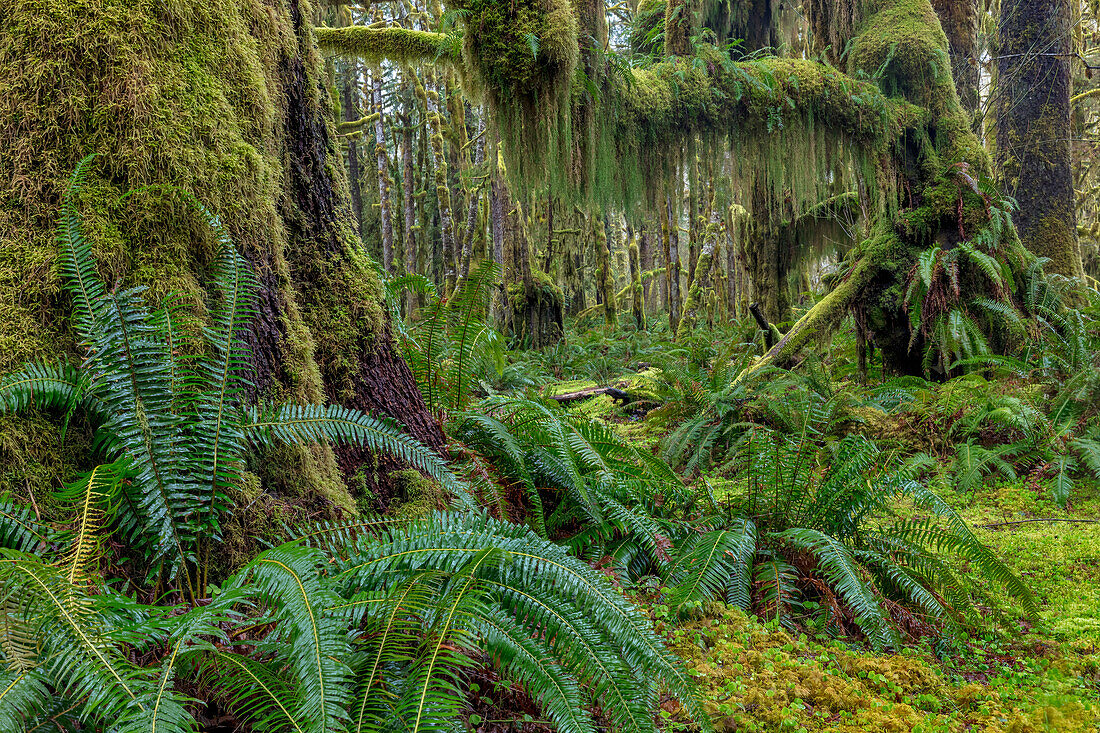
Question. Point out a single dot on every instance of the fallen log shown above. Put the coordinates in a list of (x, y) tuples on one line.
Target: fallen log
[(617, 394)]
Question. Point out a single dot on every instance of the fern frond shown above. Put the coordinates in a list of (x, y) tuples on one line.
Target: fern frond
[(845, 576), (712, 562), (308, 424), (287, 579)]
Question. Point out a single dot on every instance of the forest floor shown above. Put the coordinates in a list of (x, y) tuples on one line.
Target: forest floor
[(1017, 678)]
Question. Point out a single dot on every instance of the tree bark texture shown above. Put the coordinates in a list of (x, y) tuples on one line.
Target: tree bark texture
[(959, 19), (382, 164), (1033, 127), (245, 126)]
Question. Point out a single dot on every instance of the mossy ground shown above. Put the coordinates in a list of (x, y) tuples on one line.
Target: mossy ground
[(1047, 678)]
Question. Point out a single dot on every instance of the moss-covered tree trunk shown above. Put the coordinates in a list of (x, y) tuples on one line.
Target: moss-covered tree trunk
[(408, 191), (701, 282), (959, 19), (605, 280), (226, 101), (637, 303), (1033, 127), (672, 260), (349, 95)]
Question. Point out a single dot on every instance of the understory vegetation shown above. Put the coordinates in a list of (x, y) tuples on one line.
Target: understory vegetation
[(556, 366)]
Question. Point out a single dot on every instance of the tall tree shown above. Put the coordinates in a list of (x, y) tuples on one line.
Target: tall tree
[(1033, 127), (382, 167), (959, 19)]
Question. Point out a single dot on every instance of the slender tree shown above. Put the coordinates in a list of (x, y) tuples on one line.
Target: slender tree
[(382, 164)]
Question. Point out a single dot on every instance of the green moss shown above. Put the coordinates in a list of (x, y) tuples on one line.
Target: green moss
[(171, 95), (521, 47), (756, 679), (421, 495), (400, 45)]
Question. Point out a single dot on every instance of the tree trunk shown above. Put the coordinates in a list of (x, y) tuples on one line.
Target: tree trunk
[(382, 161), (408, 192), (637, 303), (672, 258), (349, 95), (1033, 127), (250, 134), (701, 282), (497, 211), (959, 19), (472, 205), (605, 280), (430, 99)]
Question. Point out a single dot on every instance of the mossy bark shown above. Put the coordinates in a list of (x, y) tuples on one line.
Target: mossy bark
[(382, 168), (1033, 127), (605, 280), (700, 284), (224, 100), (959, 19), (901, 42), (349, 94), (408, 190), (637, 303)]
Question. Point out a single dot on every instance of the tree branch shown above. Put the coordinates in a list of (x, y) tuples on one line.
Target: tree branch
[(374, 45)]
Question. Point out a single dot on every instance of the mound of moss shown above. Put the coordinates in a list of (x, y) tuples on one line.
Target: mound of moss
[(758, 679)]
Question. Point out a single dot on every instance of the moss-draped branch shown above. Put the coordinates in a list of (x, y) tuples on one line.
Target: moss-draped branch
[(373, 45)]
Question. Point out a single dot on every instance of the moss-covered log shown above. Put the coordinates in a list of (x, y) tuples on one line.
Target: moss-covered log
[(224, 100)]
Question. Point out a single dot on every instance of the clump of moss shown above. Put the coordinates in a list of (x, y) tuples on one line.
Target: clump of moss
[(757, 679), (523, 46), (420, 495)]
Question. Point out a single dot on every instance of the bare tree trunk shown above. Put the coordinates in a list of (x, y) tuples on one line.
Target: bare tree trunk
[(349, 93), (1033, 127), (383, 164), (408, 191)]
